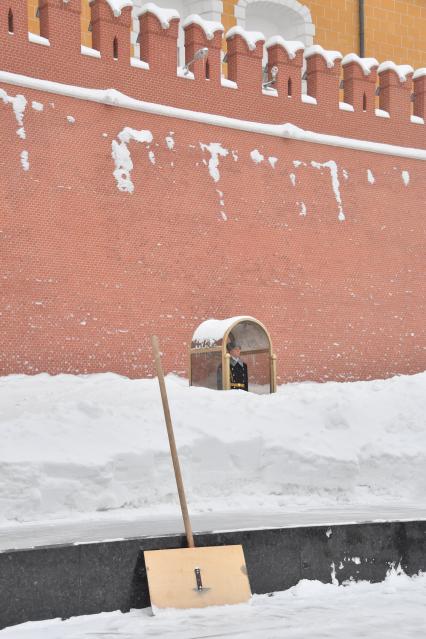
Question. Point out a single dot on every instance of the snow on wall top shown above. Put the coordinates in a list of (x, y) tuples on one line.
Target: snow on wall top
[(366, 64), (164, 16), (118, 5), (291, 46), (329, 56), (213, 330), (401, 70), (208, 26), (288, 130), (251, 37), (419, 73)]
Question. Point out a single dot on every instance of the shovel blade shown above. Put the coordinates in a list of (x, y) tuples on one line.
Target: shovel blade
[(197, 577)]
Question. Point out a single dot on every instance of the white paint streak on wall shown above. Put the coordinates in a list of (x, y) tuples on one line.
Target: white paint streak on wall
[(151, 156), (272, 161), (293, 179), (405, 177), (332, 166), (370, 176), (122, 158), (216, 150)]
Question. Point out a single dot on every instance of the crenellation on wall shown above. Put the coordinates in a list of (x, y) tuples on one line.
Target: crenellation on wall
[(419, 108), (208, 67), (245, 62), (359, 83), (111, 33), (158, 45), (162, 83), (60, 24), (323, 80), (395, 92), (289, 67)]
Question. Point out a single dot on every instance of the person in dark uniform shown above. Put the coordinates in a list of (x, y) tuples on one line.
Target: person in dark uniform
[(238, 374)]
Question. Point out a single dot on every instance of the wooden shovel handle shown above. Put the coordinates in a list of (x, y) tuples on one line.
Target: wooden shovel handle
[(172, 443)]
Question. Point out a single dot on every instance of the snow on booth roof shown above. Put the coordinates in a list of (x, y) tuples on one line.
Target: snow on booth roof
[(118, 5), (210, 332)]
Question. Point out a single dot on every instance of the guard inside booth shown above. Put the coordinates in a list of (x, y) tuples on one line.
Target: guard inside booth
[(235, 353), (238, 371)]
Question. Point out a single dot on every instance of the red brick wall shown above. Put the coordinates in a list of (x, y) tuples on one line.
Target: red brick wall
[(90, 272)]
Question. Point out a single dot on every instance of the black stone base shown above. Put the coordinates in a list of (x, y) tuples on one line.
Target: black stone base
[(65, 581)]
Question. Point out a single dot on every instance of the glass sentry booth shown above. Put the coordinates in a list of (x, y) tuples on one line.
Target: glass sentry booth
[(210, 359)]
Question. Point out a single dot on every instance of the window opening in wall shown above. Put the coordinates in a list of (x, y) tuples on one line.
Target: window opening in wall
[(10, 21), (207, 70), (364, 102), (115, 49), (289, 88)]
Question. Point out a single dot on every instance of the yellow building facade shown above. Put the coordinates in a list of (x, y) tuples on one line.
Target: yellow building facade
[(393, 29)]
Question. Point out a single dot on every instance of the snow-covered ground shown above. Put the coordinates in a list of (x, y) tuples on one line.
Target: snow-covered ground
[(96, 446), (393, 609)]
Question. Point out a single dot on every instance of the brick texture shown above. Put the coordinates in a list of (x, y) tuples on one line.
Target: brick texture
[(89, 272)]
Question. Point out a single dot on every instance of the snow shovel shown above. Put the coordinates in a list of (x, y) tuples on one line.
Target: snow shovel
[(192, 577)]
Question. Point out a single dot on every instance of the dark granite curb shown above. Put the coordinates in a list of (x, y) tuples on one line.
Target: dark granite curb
[(70, 580)]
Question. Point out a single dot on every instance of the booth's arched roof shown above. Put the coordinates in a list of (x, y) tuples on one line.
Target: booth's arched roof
[(212, 331)]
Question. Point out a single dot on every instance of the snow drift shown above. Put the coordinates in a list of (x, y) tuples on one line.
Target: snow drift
[(79, 444)]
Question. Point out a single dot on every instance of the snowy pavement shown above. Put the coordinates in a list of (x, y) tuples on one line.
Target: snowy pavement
[(393, 609), (124, 524)]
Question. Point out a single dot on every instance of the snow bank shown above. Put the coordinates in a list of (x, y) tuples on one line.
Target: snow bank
[(76, 444)]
